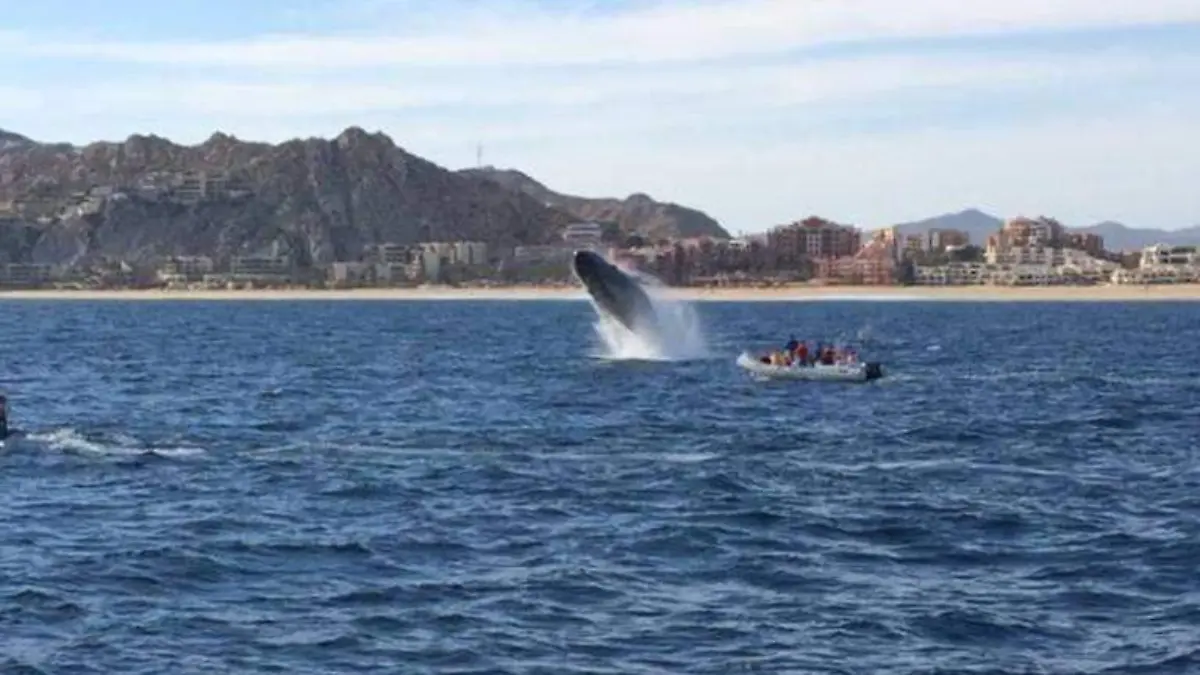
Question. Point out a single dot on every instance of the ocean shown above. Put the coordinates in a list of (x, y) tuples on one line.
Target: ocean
[(481, 487)]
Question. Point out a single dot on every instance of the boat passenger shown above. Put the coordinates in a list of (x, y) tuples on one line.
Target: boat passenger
[(802, 353), (791, 345), (827, 356)]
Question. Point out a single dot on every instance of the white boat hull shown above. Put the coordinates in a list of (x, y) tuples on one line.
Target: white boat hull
[(848, 372)]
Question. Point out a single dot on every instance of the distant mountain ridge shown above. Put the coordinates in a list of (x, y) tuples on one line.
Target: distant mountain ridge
[(10, 140), (977, 224), (636, 214), (1117, 236)]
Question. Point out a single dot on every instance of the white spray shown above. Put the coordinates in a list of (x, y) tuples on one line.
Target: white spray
[(678, 336)]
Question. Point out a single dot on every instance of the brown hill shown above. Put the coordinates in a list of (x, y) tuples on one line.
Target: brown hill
[(322, 200), (636, 214)]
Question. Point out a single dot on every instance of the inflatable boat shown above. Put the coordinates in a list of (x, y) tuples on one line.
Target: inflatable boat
[(842, 372)]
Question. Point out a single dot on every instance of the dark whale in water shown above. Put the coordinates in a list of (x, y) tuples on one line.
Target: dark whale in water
[(616, 294)]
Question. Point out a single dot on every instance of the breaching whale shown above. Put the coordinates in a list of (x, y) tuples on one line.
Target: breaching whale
[(616, 294)]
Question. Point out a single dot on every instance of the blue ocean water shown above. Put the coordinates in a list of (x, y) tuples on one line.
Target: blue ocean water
[(464, 487)]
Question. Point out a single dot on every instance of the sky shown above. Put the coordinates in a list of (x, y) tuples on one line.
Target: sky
[(758, 112)]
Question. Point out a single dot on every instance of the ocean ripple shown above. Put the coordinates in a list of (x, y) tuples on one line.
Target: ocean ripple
[(462, 488)]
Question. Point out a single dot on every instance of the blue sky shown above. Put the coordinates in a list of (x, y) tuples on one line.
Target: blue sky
[(757, 111)]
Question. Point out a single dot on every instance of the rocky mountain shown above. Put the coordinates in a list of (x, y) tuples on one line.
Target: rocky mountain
[(10, 140), (318, 199), (636, 214)]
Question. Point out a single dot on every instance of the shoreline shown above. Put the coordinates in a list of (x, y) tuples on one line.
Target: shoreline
[(798, 293)]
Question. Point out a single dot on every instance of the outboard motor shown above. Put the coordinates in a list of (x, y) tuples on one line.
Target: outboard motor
[(3, 417), (874, 371)]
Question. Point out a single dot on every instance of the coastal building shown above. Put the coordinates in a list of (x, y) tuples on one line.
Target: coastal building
[(1082, 267), (940, 239), (997, 253), (441, 249), (589, 235), (914, 246), (1161, 255), (435, 259), (389, 254), (740, 244), (634, 258), (388, 263), (1092, 244), (1029, 275), (1026, 241), (1032, 232), (350, 274), (873, 265), (890, 239), (528, 255), (1163, 264), (261, 269), (1027, 266), (1160, 275), (1045, 242), (191, 186), (185, 269), (469, 253), (195, 186), (814, 238), (432, 261), (967, 273), (952, 274), (25, 275), (627, 259), (153, 185)]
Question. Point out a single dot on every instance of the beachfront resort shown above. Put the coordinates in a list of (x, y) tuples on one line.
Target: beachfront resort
[(813, 251)]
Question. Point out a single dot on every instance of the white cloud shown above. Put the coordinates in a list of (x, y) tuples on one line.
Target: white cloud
[(1127, 167), (664, 32), (660, 94), (677, 118)]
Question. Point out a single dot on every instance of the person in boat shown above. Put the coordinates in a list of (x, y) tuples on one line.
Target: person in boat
[(802, 353), (792, 345)]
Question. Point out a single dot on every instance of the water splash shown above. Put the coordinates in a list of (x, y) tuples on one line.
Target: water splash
[(73, 442), (677, 335)]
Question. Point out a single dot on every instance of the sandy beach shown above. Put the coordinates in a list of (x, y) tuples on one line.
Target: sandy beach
[(798, 293)]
